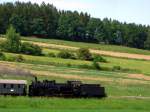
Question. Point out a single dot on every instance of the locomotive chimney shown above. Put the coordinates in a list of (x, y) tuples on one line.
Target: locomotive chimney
[(35, 79)]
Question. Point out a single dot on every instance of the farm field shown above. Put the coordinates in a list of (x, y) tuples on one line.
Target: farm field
[(127, 90)]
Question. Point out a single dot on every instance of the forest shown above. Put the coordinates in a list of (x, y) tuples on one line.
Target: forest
[(46, 21)]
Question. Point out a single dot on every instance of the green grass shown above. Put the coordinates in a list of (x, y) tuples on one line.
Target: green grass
[(25, 104), (140, 65), (46, 51), (89, 45)]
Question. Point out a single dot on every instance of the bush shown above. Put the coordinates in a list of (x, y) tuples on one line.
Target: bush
[(4, 46), (96, 65), (84, 54), (99, 58), (86, 66), (116, 68), (66, 55), (30, 49), (2, 56), (11, 58), (51, 54), (19, 58)]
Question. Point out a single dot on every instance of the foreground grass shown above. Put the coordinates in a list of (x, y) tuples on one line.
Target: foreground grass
[(25, 104), (89, 45)]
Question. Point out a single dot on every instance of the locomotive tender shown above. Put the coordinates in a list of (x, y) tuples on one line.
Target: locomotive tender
[(45, 88)]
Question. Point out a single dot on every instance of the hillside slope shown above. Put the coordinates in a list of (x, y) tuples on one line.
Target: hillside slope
[(101, 52), (103, 47), (127, 91)]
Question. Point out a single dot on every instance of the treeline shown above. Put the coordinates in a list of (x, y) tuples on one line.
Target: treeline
[(45, 20)]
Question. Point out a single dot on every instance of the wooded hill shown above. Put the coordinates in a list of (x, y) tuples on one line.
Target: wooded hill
[(46, 20)]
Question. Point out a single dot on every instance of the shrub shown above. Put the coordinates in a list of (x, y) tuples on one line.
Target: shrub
[(96, 65), (4, 46), (84, 54), (11, 58), (30, 49), (51, 54), (2, 56), (66, 55), (19, 58), (86, 66), (99, 58), (116, 68)]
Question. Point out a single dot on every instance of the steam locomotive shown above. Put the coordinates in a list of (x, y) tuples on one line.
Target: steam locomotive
[(45, 88)]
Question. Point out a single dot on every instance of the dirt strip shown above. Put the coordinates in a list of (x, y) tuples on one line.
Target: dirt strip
[(139, 76)]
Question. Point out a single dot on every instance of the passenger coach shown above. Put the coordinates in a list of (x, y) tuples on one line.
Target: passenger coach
[(13, 87)]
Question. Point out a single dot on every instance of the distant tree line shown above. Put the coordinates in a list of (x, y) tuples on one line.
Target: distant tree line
[(45, 20)]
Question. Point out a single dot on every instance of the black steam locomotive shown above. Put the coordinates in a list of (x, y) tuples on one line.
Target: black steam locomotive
[(51, 89)]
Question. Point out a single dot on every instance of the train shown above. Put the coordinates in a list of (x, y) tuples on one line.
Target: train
[(46, 88)]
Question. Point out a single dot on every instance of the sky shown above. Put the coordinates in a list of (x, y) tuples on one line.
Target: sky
[(137, 11)]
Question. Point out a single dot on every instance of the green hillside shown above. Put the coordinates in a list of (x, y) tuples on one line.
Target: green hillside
[(127, 88), (89, 45)]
